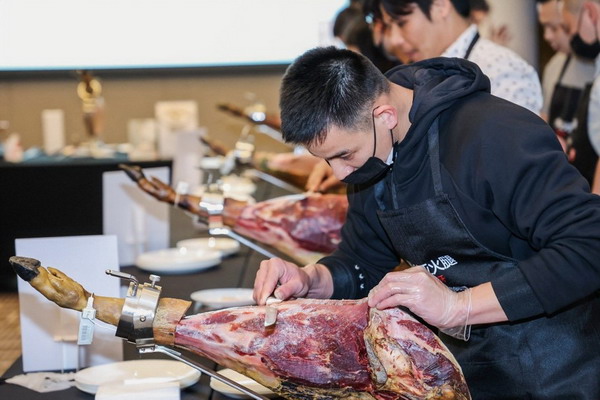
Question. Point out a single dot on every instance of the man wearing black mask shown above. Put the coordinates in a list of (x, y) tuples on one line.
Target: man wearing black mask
[(472, 191), (582, 20)]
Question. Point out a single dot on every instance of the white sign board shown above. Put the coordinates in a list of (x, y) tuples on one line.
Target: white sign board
[(140, 222), (48, 332), (186, 162)]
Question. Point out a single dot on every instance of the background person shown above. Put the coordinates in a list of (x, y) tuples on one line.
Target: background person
[(423, 29), (582, 22), (565, 75), (355, 33)]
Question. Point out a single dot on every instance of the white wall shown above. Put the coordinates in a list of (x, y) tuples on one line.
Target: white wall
[(520, 16)]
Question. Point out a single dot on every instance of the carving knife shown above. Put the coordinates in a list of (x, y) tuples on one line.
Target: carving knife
[(270, 311)]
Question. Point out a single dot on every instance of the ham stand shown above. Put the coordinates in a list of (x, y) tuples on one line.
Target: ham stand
[(137, 318), (212, 204), (241, 158)]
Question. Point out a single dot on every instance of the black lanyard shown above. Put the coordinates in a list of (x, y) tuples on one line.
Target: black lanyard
[(564, 68), (470, 48)]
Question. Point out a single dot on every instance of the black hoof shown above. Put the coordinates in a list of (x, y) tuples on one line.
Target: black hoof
[(25, 267), (132, 171)]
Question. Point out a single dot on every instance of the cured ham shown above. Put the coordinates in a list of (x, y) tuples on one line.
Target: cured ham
[(324, 349), (318, 349), (289, 167), (271, 120), (307, 224), (304, 227)]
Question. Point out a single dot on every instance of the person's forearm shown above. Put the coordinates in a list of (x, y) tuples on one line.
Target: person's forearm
[(321, 281), (596, 183), (485, 307)]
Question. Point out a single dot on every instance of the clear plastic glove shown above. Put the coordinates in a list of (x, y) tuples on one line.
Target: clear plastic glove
[(425, 295), (43, 382)]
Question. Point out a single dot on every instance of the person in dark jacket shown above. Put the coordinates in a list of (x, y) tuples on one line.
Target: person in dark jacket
[(476, 195)]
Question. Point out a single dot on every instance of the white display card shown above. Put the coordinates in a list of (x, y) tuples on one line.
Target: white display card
[(48, 332), (140, 222)]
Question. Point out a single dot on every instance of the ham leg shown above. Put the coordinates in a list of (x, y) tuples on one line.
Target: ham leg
[(305, 229), (289, 167), (318, 349)]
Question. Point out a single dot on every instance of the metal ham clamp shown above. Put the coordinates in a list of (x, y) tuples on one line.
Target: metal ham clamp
[(137, 318), (239, 160), (212, 204)]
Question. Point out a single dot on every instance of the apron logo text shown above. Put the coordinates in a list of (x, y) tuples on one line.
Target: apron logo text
[(442, 263)]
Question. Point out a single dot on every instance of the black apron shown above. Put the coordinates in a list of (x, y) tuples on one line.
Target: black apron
[(545, 358), (563, 105), (585, 155)]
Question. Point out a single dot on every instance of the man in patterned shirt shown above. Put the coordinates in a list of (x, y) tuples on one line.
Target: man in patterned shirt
[(425, 29)]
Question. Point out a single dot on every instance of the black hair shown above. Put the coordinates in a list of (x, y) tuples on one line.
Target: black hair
[(352, 29), (482, 5), (345, 18), (328, 87), (371, 10), (359, 35), (398, 8)]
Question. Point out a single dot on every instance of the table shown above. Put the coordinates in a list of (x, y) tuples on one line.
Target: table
[(235, 271), (51, 198)]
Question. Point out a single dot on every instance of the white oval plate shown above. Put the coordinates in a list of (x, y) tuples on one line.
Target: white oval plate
[(241, 379), (235, 185), (226, 246), (224, 298), (89, 379), (174, 261), (212, 162)]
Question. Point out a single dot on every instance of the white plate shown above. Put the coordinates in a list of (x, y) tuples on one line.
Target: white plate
[(233, 185), (241, 379), (224, 298), (212, 162), (89, 379), (226, 246), (173, 261)]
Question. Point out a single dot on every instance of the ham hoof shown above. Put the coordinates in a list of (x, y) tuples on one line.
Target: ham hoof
[(25, 267)]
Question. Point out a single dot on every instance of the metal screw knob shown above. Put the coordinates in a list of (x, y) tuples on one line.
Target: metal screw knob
[(154, 279)]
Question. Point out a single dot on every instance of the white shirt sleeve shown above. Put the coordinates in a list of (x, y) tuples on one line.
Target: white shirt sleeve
[(511, 77), (594, 116)]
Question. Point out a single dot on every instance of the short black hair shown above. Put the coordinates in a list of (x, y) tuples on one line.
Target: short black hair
[(345, 18), (328, 87), (482, 5), (398, 8)]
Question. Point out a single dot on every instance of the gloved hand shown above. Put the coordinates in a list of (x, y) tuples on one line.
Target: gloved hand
[(425, 295)]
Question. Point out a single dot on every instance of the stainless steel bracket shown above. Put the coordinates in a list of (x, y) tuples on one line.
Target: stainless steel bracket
[(243, 151), (212, 204), (179, 357), (139, 310), (254, 173)]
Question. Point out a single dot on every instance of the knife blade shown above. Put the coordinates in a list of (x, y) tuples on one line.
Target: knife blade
[(271, 312)]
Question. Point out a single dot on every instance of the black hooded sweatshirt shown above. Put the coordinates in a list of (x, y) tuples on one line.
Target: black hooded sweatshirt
[(506, 176)]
